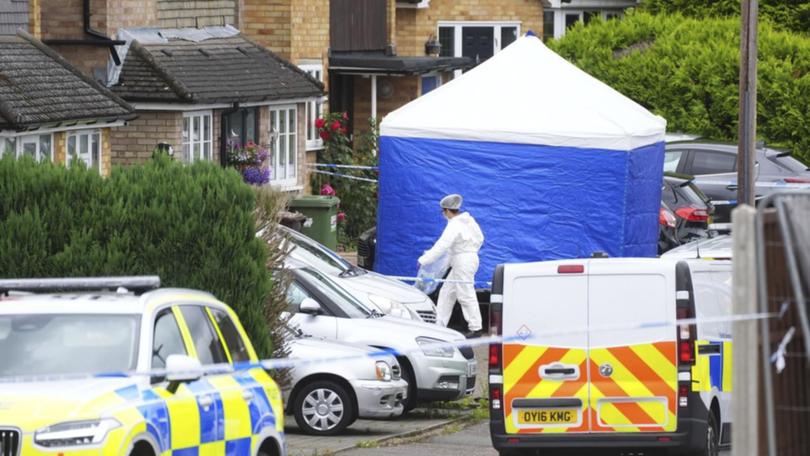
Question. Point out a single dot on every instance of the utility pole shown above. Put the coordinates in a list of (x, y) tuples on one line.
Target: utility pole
[(746, 160)]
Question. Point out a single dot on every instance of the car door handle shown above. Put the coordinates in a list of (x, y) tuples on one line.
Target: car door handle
[(247, 395), (560, 371), (731, 187), (206, 401)]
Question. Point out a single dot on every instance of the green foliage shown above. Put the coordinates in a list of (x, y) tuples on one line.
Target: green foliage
[(687, 70), (358, 199), (793, 15), (194, 226)]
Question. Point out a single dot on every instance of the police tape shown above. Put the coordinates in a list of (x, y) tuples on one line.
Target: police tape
[(334, 165), (345, 176), (379, 353), (428, 280)]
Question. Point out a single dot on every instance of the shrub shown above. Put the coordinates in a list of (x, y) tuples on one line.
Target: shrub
[(686, 70), (791, 15), (358, 198), (194, 226)]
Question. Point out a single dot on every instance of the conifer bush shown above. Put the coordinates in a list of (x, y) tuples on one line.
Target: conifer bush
[(194, 226)]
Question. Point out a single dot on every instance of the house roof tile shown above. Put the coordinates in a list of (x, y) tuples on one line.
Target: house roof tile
[(38, 86), (215, 70)]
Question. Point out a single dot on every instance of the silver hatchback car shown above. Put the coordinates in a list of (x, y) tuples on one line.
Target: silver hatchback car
[(337, 382)]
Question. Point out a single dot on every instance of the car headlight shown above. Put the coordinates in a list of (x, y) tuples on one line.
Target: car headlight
[(435, 347), (75, 433), (390, 307), (383, 371)]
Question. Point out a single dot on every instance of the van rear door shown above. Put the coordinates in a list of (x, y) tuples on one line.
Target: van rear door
[(545, 362), (633, 364)]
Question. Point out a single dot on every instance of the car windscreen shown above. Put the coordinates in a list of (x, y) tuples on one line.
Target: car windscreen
[(316, 255), (63, 344), (346, 302)]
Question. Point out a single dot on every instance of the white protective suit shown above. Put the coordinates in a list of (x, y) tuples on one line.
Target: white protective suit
[(461, 239)]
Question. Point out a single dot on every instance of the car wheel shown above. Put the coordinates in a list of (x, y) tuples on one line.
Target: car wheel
[(323, 408), (711, 444), (408, 375)]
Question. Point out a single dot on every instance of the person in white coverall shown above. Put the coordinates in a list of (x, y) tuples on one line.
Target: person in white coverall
[(461, 239)]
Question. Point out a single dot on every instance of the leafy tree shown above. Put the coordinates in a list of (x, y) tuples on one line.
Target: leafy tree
[(791, 15), (687, 70)]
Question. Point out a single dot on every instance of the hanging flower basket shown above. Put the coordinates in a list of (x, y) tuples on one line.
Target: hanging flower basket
[(250, 160)]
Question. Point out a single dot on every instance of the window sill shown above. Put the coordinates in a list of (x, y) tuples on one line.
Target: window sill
[(314, 146), (287, 188)]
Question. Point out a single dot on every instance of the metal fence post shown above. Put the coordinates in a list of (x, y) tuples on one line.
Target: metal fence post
[(746, 360)]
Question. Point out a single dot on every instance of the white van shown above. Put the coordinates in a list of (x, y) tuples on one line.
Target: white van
[(592, 356)]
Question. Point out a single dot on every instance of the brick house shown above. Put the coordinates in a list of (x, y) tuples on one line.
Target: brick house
[(51, 111), (560, 15), (97, 35), (372, 54), (200, 90)]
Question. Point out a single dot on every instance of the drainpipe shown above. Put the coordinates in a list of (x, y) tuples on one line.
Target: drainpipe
[(374, 96), (96, 38)]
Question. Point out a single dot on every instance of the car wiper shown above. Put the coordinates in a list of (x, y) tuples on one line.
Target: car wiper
[(375, 314)]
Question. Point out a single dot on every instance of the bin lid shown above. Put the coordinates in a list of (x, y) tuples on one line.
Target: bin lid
[(314, 201)]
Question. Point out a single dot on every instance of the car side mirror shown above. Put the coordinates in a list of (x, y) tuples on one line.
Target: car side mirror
[(309, 306), (182, 369)]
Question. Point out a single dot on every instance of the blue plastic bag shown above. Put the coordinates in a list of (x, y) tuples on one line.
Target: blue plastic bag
[(429, 273)]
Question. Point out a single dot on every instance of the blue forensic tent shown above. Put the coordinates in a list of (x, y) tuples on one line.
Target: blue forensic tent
[(551, 162)]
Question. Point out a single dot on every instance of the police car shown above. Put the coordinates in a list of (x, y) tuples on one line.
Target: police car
[(593, 358), (72, 376)]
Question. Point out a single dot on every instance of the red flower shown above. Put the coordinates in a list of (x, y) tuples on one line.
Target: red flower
[(343, 131), (345, 116), (320, 122), (325, 135), (327, 190), (341, 216), (335, 126)]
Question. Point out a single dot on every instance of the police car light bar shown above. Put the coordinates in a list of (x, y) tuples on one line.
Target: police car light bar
[(137, 284)]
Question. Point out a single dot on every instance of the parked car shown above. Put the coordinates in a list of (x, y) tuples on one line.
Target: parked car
[(692, 209), (377, 291), (321, 307), (718, 247), (69, 354), (667, 229), (714, 166), (326, 397)]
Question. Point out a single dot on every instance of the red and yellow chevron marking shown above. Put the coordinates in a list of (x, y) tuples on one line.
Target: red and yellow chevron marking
[(522, 380), (640, 395)]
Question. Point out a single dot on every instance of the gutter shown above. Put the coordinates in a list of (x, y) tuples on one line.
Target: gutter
[(96, 38)]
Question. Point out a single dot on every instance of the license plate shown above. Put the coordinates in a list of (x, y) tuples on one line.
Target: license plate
[(548, 416), (471, 369)]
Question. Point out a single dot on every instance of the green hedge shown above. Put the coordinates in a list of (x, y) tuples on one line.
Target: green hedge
[(194, 226), (686, 70), (791, 15)]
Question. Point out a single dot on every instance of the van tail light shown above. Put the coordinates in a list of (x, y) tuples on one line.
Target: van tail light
[(796, 180), (686, 337), (495, 329), (666, 218), (494, 357), (683, 395), (495, 397), (693, 214), (571, 269)]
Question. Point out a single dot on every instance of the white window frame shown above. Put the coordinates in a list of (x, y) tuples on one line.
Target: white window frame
[(283, 174), (20, 140), (314, 107), (457, 34), (559, 17), (194, 150), (93, 137)]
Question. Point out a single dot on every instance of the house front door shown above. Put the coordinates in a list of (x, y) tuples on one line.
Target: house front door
[(478, 43)]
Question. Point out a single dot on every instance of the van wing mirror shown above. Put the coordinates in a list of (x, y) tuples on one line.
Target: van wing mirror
[(310, 306)]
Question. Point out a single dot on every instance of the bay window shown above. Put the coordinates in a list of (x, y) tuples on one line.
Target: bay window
[(38, 147)]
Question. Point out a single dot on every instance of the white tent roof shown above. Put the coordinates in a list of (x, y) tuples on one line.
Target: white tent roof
[(527, 94)]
